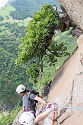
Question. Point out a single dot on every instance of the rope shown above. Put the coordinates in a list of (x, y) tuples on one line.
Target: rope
[(70, 107)]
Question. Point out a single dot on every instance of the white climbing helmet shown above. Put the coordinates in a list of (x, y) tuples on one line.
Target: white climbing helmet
[(20, 88), (27, 118)]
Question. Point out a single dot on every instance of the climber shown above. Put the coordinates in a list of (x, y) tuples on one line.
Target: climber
[(28, 104), (27, 118), (28, 107)]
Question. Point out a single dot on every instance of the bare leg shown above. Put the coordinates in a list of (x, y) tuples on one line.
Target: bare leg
[(42, 116)]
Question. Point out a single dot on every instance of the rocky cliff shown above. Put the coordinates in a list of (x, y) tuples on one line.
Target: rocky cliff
[(67, 88), (74, 8)]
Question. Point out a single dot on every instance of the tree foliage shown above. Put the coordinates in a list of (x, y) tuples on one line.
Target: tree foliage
[(37, 44)]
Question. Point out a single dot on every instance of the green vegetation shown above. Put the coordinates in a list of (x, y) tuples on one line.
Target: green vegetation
[(7, 117), (10, 74), (5, 13), (38, 47), (49, 70), (38, 37)]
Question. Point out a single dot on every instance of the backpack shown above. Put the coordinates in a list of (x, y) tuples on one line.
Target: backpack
[(33, 91)]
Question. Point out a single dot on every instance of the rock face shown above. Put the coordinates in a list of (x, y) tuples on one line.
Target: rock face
[(16, 121), (74, 8), (67, 88)]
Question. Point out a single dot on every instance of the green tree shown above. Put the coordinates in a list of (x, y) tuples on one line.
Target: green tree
[(37, 45)]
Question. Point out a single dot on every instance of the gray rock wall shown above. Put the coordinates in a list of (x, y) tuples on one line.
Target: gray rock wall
[(74, 9)]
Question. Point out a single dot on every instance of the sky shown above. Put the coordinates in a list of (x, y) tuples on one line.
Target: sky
[(3, 3)]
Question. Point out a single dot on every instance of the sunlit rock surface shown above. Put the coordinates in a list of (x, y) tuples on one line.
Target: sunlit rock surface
[(74, 8)]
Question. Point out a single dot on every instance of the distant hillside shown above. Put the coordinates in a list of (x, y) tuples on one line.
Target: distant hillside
[(25, 8), (11, 32)]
